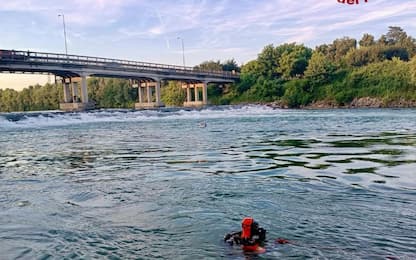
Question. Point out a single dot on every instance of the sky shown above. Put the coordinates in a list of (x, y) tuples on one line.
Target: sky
[(153, 31)]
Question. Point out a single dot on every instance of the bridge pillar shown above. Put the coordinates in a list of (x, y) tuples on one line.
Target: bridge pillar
[(73, 103), (157, 92), (188, 93), (196, 102), (149, 93), (205, 93), (67, 91), (139, 92), (75, 92), (196, 93), (148, 87), (84, 90)]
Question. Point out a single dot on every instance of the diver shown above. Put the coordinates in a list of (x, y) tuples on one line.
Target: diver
[(251, 237)]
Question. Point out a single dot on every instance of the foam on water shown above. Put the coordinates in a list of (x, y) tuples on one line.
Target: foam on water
[(56, 118)]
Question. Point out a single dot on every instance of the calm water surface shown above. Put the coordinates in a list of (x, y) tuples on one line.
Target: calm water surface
[(339, 184)]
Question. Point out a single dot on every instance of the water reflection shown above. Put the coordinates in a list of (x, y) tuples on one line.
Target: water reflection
[(165, 187)]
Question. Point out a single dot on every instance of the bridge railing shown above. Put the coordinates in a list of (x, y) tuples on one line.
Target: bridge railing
[(106, 63)]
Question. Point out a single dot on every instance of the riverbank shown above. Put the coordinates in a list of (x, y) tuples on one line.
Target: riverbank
[(363, 102)]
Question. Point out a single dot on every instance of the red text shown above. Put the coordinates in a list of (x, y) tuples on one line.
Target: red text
[(351, 2)]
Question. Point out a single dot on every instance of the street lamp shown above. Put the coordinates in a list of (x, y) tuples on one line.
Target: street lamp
[(63, 23), (183, 51)]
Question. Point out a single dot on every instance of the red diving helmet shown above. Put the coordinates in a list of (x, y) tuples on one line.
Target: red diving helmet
[(246, 225)]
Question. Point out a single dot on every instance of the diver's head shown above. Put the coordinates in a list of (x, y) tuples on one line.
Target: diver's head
[(248, 225)]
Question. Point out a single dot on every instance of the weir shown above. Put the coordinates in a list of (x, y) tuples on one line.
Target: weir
[(74, 70)]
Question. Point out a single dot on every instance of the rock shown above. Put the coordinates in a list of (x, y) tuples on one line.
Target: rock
[(23, 203), (369, 102)]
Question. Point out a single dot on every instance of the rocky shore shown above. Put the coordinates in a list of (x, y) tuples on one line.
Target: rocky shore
[(363, 102)]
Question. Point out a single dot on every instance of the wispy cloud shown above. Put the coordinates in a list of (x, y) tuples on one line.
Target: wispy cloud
[(209, 27)]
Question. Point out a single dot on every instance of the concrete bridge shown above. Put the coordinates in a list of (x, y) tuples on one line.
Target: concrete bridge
[(73, 70)]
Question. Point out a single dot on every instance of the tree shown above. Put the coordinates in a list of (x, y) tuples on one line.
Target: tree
[(293, 60), (173, 94), (268, 61), (319, 69), (295, 94), (382, 41), (396, 52), (395, 35), (230, 65), (209, 66), (340, 47), (323, 48), (367, 40), (250, 72), (412, 68)]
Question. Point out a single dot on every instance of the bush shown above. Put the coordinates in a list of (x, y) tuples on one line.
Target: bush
[(295, 94)]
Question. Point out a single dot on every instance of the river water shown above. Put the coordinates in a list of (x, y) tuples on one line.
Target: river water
[(121, 184)]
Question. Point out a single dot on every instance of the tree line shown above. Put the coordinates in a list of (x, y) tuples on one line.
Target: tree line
[(290, 75), (294, 75)]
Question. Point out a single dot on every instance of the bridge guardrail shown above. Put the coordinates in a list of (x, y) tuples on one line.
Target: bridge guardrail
[(62, 59)]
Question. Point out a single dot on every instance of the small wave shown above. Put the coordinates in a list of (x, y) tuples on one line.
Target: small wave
[(57, 118)]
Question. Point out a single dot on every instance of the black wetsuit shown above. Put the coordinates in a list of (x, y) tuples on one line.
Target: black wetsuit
[(258, 236)]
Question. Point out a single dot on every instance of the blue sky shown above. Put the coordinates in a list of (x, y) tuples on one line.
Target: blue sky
[(211, 29)]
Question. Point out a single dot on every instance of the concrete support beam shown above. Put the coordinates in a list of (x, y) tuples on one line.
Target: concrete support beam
[(146, 101), (205, 93), (84, 90), (196, 93), (140, 93), (196, 102), (188, 93), (67, 91), (75, 92), (157, 91), (149, 93), (73, 102)]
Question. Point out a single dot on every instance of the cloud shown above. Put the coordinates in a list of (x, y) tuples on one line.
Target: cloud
[(242, 27)]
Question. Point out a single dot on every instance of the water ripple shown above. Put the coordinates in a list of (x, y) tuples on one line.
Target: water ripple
[(338, 184)]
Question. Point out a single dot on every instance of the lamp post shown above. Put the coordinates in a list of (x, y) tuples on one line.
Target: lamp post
[(63, 23), (183, 51)]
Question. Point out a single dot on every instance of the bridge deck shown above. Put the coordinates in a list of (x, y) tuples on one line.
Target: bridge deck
[(70, 65)]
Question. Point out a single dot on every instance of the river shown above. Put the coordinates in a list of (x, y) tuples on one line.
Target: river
[(122, 184)]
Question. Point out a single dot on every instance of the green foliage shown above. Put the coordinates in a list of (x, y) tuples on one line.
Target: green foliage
[(379, 79), (296, 94), (395, 35), (367, 40), (365, 55), (343, 97), (249, 75), (230, 65), (265, 90), (210, 66), (267, 62), (293, 60), (337, 72), (319, 69), (336, 51), (412, 69), (31, 99), (173, 94), (111, 93)]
